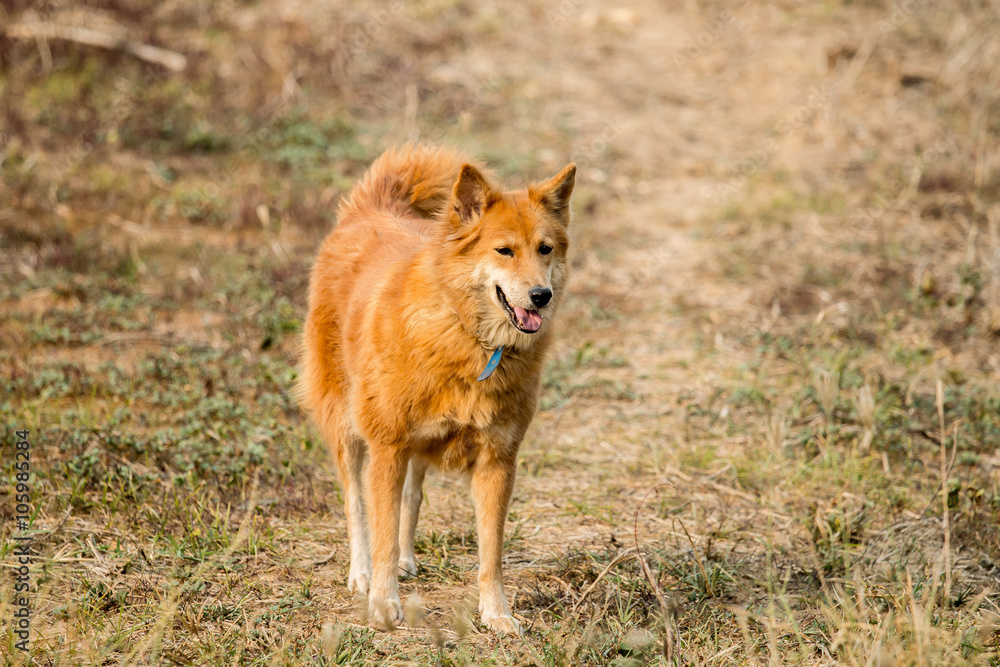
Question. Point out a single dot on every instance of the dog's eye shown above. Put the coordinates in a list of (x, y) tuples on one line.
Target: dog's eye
[(506, 252), (544, 249)]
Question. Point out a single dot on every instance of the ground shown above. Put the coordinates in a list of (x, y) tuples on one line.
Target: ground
[(770, 432)]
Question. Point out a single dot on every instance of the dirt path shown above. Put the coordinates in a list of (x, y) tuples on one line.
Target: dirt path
[(644, 263)]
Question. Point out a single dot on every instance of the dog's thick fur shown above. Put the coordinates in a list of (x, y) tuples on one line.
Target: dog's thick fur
[(404, 313)]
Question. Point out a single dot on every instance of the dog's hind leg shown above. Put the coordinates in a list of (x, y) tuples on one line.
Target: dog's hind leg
[(349, 452), (360, 573), (413, 495)]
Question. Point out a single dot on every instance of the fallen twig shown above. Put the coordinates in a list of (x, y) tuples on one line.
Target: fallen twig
[(614, 561), (316, 563), (36, 30)]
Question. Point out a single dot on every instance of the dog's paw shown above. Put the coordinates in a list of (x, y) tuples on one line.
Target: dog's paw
[(408, 566), (388, 613), (505, 624), (358, 580)]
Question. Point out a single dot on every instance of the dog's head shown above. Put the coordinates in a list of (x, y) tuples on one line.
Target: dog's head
[(513, 247)]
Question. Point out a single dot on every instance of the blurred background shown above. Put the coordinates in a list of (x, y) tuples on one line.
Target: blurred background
[(782, 338)]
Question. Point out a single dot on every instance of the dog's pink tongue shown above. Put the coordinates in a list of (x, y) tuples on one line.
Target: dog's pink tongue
[(531, 320)]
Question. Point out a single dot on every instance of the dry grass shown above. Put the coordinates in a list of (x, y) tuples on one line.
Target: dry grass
[(784, 321)]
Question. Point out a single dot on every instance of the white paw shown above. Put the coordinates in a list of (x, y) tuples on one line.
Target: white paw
[(358, 579), (505, 624), (388, 612), (408, 566)]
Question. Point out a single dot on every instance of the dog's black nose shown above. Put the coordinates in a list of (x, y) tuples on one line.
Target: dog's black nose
[(540, 295)]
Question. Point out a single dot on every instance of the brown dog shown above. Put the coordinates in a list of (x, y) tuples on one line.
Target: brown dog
[(430, 312)]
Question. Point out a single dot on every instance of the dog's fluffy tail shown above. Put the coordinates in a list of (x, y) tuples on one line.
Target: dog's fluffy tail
[(409, 180)]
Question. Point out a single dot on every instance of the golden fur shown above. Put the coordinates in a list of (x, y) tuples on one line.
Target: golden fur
[(404, 313)]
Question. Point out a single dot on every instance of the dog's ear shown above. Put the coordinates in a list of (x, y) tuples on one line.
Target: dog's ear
[(469, 196), (554, 194)]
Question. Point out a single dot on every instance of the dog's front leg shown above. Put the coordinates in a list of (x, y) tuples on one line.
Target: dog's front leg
[(492, 485), (386, 474)]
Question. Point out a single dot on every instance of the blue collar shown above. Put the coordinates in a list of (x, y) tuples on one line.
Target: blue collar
[(491, 365)]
